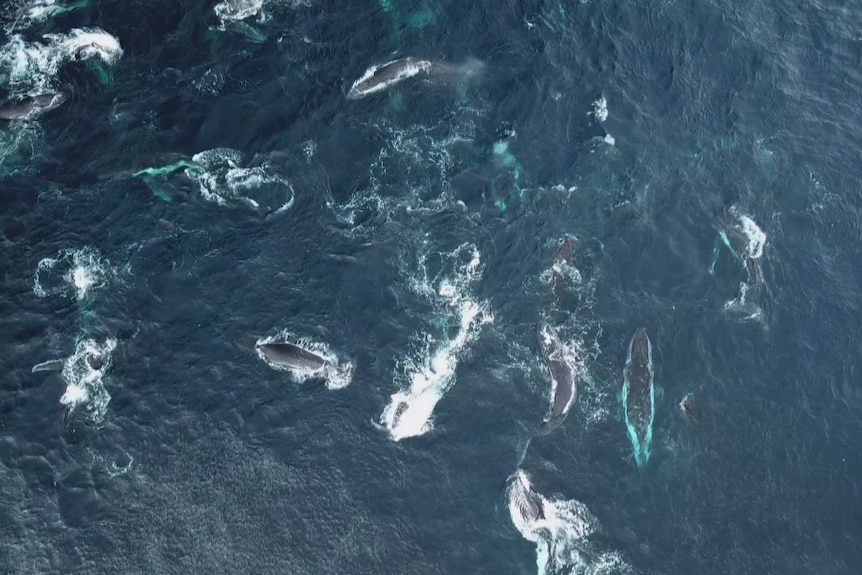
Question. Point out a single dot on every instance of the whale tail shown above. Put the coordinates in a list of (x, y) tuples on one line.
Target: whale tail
[(523, 444), (546, 427), (469, 68)]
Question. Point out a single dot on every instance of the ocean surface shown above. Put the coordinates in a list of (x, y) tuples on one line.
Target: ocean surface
[(206, 185)]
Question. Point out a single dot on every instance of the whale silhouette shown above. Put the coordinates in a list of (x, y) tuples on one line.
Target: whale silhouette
[(292, 356), (563, 378), (638, 396)]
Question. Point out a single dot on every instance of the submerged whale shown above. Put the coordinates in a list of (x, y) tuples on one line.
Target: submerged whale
[(691, 409), (42, 9), (559, 361), (380, 77), (292, 356), (31, 106), (638, 396), (563, 273), (746, 242)]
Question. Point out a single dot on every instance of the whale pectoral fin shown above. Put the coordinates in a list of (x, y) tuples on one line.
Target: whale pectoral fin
[(523, 445), (154, 186), (396, 100), (716, 251), (104, 75), (50, 365), (251, 33)]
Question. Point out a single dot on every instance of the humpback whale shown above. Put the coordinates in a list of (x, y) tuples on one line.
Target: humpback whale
[(380, 77), (304, 359), (746, 241), (559, 361), (526, 507), (638, 395), (31, 106), (292, 356)]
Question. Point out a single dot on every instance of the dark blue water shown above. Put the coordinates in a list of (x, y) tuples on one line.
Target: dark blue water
[(206, 460)]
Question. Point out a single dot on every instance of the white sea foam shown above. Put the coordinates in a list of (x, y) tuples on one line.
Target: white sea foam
[(560, 531), (600, 109), (35, 11), (82, 270), (29, 65), (221, 178), (749, 252), (87, 43), (747, 228), (560, 269), (419, 159), (410, 410), (743, 304), (228, 10), (756, 237), (412, 172), (83, 373), (337, 372), (31, 68)]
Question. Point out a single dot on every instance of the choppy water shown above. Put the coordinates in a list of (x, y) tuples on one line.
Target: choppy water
[(206, 184)]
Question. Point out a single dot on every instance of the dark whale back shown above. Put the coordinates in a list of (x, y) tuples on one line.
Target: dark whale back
[(564, 252), (639, 396), (292, 356), (563, 376), (640, 360), (388, 74), (385, 73), (31, 106)]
